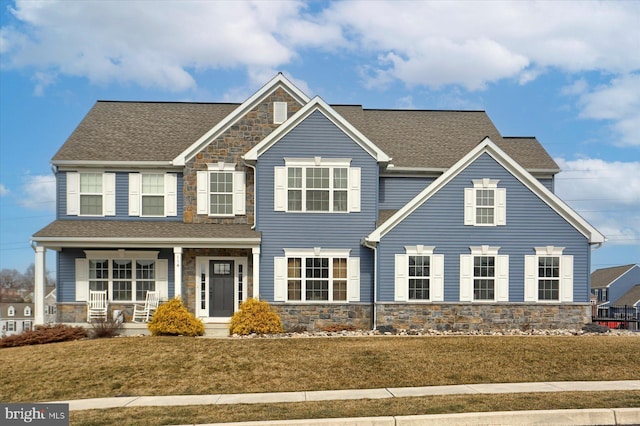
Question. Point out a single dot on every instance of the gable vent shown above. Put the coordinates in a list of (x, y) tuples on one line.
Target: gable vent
[(279, 112)]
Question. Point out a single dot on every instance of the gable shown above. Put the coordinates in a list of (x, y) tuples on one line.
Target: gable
[(488, 148), (604, 277), (317, 106)]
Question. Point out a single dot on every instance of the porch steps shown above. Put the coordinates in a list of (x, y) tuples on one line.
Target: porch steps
[(216, 330)]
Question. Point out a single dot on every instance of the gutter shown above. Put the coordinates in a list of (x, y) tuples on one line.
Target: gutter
[(374, 247)]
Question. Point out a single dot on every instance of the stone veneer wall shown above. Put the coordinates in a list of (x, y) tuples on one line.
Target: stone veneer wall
[(229, 148), (482, 317), (313, 317), (190, 278), (77, 311)]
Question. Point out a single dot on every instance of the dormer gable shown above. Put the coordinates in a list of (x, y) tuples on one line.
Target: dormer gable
[(278, 114)]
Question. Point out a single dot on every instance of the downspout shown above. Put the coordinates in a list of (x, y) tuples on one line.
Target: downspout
[(374, 247)]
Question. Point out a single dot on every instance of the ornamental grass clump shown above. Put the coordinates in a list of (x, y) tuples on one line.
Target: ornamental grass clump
[(257, 317), (173, 319)]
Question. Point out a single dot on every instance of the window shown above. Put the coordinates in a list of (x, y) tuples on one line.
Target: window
[(317, 185), (11, 326), (603, 295), (548, 276), (125, 275), (419, 275), (279, 112), (484, 275), (221, 191), (11, 311), (153, 194), (317, 275), (91, 194), (26, 325), (485, 203), (27, 311), (50, 309)]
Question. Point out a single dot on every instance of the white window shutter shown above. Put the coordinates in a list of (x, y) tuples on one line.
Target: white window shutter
[(162, 278), (73, 193), (170, 194), (82, 280), (530, 278), (354, 190), (280, 279), (109, 194), (202, 192), (437, 278), (501, 206), (466, 277), (502, 278), (353, 286), (280, 189), (469, 206), (401, 286), (566, 278), (134, 194), (239, 193)]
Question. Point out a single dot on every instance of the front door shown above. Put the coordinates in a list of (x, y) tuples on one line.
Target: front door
[(221, 288)]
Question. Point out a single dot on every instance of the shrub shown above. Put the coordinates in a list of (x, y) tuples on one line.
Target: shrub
[(105, 327), (173, 319), (255, 316), (44, 334), (595, 328)]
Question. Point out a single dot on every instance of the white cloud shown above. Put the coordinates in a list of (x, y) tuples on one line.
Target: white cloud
[(607, 194), (3, 190), (38, 192)]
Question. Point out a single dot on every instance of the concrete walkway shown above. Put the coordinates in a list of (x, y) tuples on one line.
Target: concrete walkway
[(329, 395)]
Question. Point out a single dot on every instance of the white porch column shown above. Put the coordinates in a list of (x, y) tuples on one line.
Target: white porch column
[(256, 272), (38, 291), (177, 271)]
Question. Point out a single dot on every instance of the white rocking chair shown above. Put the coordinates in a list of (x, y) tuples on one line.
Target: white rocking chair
[(97, 305), (144, 313)]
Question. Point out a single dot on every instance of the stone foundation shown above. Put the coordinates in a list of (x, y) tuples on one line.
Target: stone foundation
[(482, 317), (77, 311), (314, 317)]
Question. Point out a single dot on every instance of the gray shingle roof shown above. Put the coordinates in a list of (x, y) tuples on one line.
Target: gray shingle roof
[(116, 230), (160, 131), (601, 278), (630, 298)]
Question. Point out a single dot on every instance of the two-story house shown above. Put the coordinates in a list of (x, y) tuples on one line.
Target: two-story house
[(15, 317), (616, 292), (333, 214)]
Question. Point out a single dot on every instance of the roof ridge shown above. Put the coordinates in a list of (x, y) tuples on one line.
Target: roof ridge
[(164, 102)]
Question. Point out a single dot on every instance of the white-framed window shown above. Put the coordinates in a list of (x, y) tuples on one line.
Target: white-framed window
[(153, 194), (485, 203), (548, 275), (317, 275), (11, 325), (50, 309), (11, 311), (27, 311), (26, 325), (419, 275), (125, 275), (326, 185), (221, 190), (279, 112), (484, 275), (91, 193)]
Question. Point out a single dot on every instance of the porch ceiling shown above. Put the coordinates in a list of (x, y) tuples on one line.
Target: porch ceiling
[(111, 233)]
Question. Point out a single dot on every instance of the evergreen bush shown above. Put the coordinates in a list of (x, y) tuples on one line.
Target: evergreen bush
[(173, 319), (255, 316)]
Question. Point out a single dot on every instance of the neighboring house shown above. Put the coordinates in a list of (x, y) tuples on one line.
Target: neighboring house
[(333, 214), (15, 318), (616, 292), (50, 305)]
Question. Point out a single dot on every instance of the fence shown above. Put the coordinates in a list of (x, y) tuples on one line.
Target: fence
[(616, 317)]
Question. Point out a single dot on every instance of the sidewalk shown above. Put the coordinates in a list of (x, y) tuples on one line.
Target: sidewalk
[(602, 416)]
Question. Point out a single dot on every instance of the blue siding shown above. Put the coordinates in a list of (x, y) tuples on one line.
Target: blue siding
[(122, 200), (548, 183), (530, 223), (316, 136), (623, 284), (395, 192), (66, 273)]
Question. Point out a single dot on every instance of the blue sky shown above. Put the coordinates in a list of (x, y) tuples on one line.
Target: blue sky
[(565, 72)]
